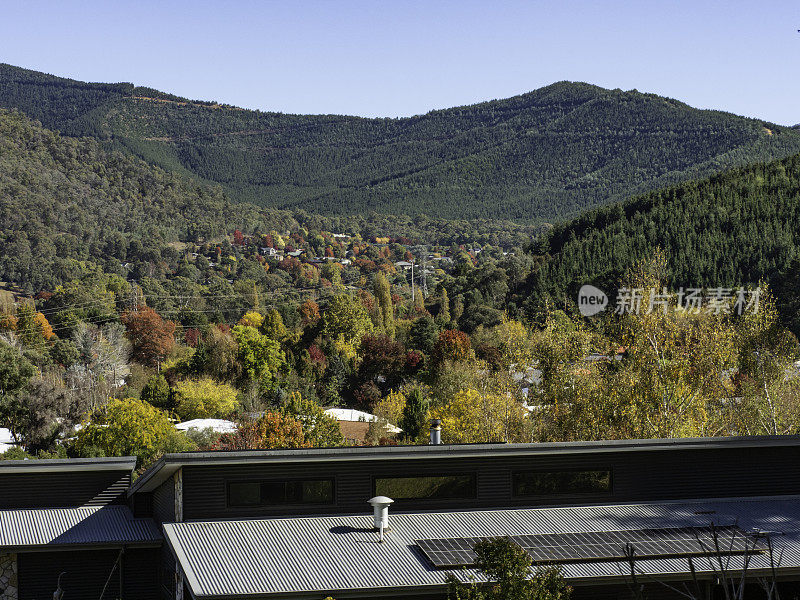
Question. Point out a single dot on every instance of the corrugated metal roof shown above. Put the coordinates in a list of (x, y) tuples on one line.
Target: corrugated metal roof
[(341, 554), (169, 463), (89, 525)]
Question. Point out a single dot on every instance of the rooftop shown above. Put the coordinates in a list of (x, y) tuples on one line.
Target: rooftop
[(44, 465), (106, 526), (311, 557)]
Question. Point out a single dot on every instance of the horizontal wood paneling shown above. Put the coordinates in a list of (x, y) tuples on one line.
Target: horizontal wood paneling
[(645, 476), (63, 489)]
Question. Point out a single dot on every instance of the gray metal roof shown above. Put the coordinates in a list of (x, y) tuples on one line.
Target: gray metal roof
[(85, 526), (170, 463), (311, 557), (45, 465)]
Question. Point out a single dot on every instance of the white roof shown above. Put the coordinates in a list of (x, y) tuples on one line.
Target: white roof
[(5, 436), (353, 415), (218, 425)]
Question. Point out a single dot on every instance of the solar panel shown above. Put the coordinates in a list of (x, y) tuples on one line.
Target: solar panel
[(602, 546)]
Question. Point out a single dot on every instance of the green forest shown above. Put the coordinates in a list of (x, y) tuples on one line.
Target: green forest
[(534, 158)]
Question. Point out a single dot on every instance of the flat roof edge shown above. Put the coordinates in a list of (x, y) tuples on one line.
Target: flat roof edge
[(45, 465)]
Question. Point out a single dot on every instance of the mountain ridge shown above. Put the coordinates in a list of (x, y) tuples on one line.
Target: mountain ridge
[(541, 156)]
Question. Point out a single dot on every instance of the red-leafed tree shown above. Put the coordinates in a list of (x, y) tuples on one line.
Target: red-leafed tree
[(238, 238), (451, 345), (151, 337)]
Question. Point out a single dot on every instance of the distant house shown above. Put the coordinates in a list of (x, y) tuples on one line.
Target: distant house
[(268, 251), (295, 253), (355, 423), (7, 441), (216, 425), (403, 264)]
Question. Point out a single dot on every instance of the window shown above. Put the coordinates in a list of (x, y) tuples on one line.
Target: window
[(426, 488), (561, 483), (276, 493)]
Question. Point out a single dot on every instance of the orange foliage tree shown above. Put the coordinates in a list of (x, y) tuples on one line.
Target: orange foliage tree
[(272, 430), (452, 345), (309, 312), (151, 337)]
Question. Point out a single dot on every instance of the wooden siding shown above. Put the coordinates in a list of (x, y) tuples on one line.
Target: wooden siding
[(86, 572), (636, 476), (63, 489), (164, 502)]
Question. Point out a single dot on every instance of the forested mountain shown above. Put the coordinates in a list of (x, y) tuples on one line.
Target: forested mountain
[(733, 229), (536, 157), (67, 204)]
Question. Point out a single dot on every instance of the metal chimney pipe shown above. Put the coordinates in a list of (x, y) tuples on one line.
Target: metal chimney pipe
[(436, 432), (380, 508)]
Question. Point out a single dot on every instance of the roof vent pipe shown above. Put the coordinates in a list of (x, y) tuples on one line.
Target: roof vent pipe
[(380, 508), (436, 432)]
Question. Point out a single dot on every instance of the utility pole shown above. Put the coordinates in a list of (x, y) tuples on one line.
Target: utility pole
[(413, 299), (424, 271)]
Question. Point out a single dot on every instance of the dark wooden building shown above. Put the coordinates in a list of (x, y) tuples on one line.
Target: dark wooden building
[(297, 524), (67, 523)]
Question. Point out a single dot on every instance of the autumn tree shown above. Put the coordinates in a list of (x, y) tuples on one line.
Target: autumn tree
[(252, 319), (273, 326), (204, 398), (151, 336), (32, 327), (309, 313), (271, 430), (490, 415), (130, 428), (452, 345), (382, 358)]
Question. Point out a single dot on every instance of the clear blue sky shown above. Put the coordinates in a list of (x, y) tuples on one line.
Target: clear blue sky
[(381, 58)]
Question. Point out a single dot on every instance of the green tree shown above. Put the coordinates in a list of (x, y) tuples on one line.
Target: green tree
[(383, 295), (130, 428), (15, 371), (507, 568), (423, 334), (259, 356), (204, 399), (345, 322), (415, 415), (157, 392), (319, 428), (273, 326)]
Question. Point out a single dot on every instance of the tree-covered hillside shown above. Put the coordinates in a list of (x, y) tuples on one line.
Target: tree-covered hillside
[(68, 203), (536, 157), (733, 229)]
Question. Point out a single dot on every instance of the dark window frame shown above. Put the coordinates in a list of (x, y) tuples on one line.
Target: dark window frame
[(472, 474), (596, 494), (261, 482)]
